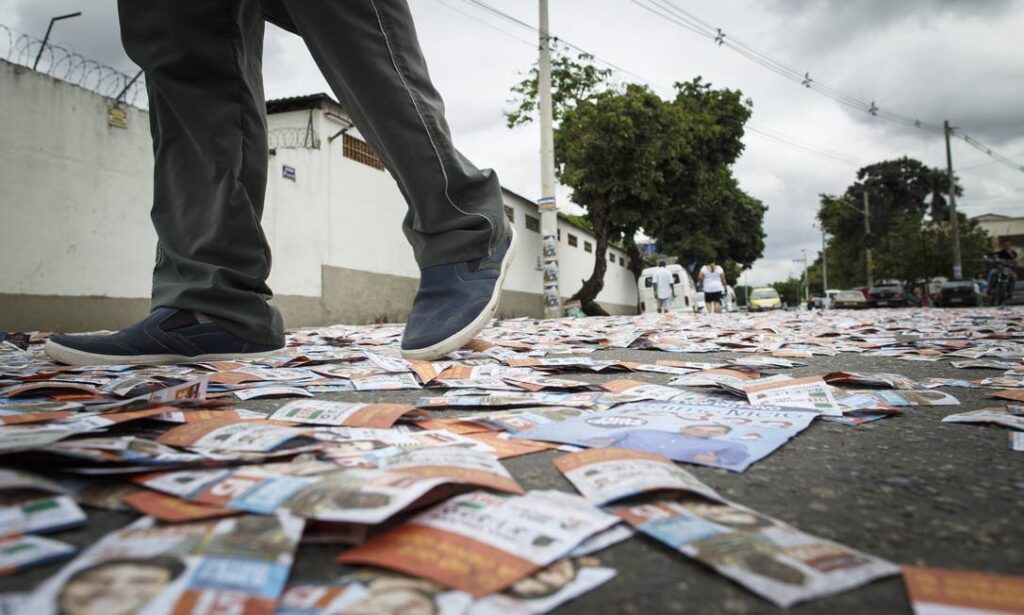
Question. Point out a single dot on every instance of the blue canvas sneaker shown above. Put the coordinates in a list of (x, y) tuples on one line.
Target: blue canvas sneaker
[(167, 335), (454, 302)]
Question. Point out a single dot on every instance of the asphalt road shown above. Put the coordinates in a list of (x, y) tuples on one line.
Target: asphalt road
[(908, 488)]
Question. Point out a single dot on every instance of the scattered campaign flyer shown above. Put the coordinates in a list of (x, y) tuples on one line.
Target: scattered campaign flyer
[(934, 591), (325, 492), (20, 552), (772, 559), (722, 435), (810, 392), (515, 421), (866, 400), (997, 416), (263, 392), (385, 382), (604, 475), (374, 592), (715, 377), (511, 399), (230, 434), (482, 543), (342, 414), (368, 446), (546, 589), (235, 565), (882, 380), (455, 463), (40, 515)]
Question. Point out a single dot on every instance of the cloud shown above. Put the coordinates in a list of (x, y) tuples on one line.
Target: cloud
[(95, 34)]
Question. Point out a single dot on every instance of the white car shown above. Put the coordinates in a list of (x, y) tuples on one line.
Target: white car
[(681, 283)]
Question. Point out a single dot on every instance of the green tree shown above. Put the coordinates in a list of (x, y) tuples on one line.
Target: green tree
[(573, 80), (791, 290), (910, 228), (611, 150), (708, 214)]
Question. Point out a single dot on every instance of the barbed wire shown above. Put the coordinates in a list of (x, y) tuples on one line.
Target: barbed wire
[(293, 137), (67, 65)]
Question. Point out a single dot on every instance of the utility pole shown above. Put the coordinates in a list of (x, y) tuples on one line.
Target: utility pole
[(807, 281), (867, 238), (547, 206), (824, 265), (958, 270)]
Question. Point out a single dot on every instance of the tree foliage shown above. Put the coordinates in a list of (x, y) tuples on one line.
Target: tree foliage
[(573, 80), (612, 151), (637, 162), (911, 233), (707, 214), (790, 290)]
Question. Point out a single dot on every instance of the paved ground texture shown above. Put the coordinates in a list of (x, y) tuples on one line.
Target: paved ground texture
[(908, 488)]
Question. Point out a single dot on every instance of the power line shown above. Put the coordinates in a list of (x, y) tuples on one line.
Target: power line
[(986, 163), (669, 11), (772, 136)]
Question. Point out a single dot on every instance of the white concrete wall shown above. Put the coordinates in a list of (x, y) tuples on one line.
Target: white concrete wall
[(75, 196), (575, 264), (75, 193)]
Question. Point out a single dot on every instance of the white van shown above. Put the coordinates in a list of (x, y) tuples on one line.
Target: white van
[(681, 282)]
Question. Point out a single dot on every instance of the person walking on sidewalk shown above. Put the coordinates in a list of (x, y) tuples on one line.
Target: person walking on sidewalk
[(712, 279), (203, 63)]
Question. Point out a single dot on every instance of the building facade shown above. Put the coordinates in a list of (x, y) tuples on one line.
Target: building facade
[(1002, 228), (78, 246)]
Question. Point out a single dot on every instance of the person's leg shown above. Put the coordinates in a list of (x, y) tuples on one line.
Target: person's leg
[(369, 53), (203, 63), (208, 118)]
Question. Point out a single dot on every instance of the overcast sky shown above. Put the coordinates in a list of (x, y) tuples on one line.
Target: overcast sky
[(928, 59)]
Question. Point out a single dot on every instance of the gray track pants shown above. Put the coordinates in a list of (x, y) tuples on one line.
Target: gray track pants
[(203, 63)]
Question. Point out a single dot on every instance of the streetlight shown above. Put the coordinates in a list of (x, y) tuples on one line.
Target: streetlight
[(47, 36)]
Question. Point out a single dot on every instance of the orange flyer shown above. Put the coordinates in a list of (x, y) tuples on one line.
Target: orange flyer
[(938, 591), (482, 543)]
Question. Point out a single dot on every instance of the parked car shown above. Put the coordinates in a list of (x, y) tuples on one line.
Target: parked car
[(888, 293), (958, 292), (681, 282), (765, 298), (850, 299)]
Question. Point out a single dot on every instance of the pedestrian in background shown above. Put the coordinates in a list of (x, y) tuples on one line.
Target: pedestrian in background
[(712, 280), (664, 288)]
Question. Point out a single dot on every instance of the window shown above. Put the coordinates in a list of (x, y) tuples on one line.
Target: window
[(572, 240), (611, 257), (510, 214), (533, 224), (359, 151), (588, 247), (622, 261), (559, 233)]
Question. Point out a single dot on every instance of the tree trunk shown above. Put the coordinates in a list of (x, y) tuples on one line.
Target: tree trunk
[(593, 286)]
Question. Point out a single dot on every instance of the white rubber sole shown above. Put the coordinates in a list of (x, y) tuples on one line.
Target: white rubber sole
[(467, 333), (70, 356)]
